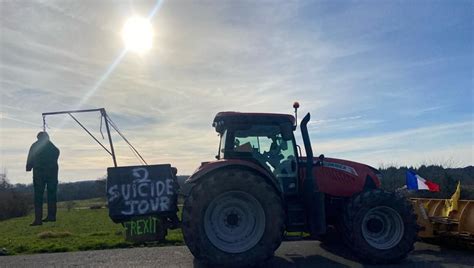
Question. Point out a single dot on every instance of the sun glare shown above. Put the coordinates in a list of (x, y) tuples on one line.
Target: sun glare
[(137, 34)]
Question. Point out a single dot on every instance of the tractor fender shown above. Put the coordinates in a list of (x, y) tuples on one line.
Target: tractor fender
[(208, 168)]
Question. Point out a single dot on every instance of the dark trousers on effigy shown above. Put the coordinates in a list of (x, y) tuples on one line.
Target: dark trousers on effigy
[(51, 186)]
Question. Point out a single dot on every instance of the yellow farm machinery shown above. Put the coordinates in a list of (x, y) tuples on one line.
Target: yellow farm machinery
[(438, 219)]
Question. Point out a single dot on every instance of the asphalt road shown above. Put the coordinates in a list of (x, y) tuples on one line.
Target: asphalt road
[(290, 254)]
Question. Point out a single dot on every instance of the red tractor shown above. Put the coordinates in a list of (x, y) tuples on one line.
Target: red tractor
[(261, 186)]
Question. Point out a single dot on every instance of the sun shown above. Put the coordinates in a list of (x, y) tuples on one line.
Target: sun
[(137, 34)]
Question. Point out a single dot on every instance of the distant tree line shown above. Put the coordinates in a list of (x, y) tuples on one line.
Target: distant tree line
[(395, 178), (17, 200), (72, 190)]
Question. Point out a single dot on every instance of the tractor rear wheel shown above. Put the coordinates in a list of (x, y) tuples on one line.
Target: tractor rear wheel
[(380, 226), (233, 218)]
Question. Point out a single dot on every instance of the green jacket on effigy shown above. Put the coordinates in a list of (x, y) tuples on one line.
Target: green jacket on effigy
[(43, 159)]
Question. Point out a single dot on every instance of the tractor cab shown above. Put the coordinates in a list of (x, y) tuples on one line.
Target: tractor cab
[(267, 141), (264, 139)]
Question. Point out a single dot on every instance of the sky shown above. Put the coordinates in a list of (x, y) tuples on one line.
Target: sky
[(386, 82)]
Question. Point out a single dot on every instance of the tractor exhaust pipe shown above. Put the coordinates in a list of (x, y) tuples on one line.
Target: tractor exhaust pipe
[(313, 198)]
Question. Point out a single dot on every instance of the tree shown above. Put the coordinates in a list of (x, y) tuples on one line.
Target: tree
[(12, 203)]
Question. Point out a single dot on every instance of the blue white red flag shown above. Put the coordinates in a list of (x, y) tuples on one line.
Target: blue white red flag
[(416, 182)]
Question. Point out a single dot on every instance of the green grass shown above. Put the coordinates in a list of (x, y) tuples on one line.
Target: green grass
[(78, 229)]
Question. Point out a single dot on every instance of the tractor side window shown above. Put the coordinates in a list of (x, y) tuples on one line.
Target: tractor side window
[(245, 144), (266, 144)]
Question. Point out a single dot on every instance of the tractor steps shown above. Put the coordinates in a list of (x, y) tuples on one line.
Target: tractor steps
[(296, 217)]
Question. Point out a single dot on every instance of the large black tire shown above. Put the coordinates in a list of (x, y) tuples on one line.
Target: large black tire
[(379, 226), (241, 200)]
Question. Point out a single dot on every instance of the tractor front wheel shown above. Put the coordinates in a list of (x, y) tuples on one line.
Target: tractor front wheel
[(233, 217), (380, 226)]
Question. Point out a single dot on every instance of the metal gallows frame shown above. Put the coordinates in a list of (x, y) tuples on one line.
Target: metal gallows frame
[(108, 123)]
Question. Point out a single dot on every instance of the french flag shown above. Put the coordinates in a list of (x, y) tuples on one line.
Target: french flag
[(416, 182)]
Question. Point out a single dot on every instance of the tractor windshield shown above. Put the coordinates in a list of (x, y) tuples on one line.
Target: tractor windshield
[(265, 144)]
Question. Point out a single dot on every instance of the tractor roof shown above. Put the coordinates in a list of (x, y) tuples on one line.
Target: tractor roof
[(224, 119)]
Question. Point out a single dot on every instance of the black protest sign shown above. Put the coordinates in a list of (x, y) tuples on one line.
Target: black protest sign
[(140, 190)]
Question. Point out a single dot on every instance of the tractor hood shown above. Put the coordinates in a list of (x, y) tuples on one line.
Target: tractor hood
[(345, 165), (341, 177)]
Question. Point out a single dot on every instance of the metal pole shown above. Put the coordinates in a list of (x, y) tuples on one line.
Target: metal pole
[(74, 111), (104, 114), (90, 134)]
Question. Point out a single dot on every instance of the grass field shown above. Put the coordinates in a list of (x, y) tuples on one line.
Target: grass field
[(79, 228)]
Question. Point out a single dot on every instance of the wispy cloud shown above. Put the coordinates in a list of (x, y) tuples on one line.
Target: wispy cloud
[(7, 117)]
